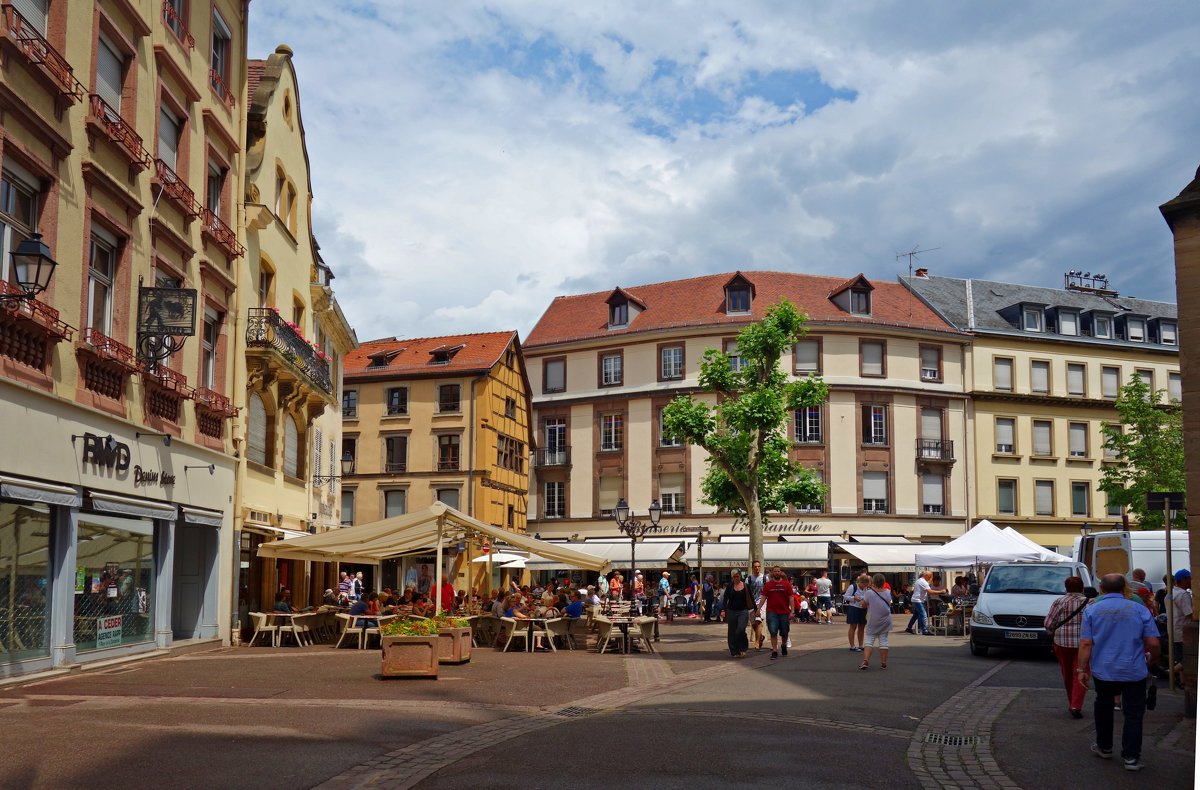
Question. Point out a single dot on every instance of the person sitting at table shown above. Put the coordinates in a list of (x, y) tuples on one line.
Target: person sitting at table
[(283, 602), (330, 598), (960, 589), (363, 607), (574, 609), (514, 607), (422, 607), (552, 611), (499, 604)]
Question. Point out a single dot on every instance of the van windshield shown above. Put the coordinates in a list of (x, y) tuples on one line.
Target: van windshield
[(1032, 579)]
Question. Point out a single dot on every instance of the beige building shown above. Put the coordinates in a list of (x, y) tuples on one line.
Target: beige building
[(892, 442), (1044, 371), (443, 419), (119, 147), (295, 339)]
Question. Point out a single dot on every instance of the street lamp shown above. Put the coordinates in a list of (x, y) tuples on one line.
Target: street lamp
[(347, 470), (1086, 529), (33, 267), (635, 529)]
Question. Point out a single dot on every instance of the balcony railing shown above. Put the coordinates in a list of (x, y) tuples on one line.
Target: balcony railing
[(447, 465), (38, 50), (267, 329), (120, 132), (221, 233), (935, 449), (40, 313), (176, 25), (107, 348), (175, 188), (395, 467), (221, 89), (214, 401), (552, 456), (168, 379)]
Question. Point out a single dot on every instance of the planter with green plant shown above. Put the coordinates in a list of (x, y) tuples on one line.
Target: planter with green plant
[(454, 639), (410, 648)]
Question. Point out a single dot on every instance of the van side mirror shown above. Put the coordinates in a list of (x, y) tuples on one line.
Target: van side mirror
[(1090, 592)]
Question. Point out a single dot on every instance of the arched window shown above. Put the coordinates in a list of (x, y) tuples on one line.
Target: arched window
[(291, 442), (256, 450)]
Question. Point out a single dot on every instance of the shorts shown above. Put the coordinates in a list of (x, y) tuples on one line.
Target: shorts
[(777, 623), (824, 602), (760, 613), (877, 640), (856, 615)]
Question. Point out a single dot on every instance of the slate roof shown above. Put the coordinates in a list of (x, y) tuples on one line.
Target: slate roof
[(700, 302), (412, 358)]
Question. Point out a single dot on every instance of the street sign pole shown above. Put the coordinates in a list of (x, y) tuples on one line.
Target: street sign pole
[(1168, 501)]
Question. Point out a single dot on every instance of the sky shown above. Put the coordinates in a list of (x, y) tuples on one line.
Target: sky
[(473, 160)]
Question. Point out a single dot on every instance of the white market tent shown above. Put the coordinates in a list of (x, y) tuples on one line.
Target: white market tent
[(984, 543), (1049, 556)]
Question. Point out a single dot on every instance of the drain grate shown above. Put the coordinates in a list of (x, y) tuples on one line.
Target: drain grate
[(952, 740), (575, 712)]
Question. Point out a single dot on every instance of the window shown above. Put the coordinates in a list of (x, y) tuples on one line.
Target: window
[(1167, 334), (554, 375), (735, 360), (395, 503), (670, 363), (618, 314), (664, 440), (1006, 497), (609, 494), (871, 353), (1002, 374), (1135, 328), (554, 432), (807, 428), (860, 301), (1077, 439), (1081, 495), (1110, 452), (555, 505), (1031, 319), (280, 193), (932, 501), (815, 507), (874, 487), (931, 431), (208, 348), (737, 299), (510, 408), (397, 400), (265, 279), (395, 454), (1102, 327), (806, 357), (670, 493), (1004, 436), (1076, 379), (1174, 386), (1147, 377), (1110, 382), (350, 404), (1042, 441), (1043, 497), (510, 453), (258, 431), (291, 447), (1068, 323), (448, 497), (214, 186), (612, 432), (931, 363), (449, 398), (317, 451), (875, 424), (110, 75), (168, 137), (510, 358), (18, 213), (298, 314), (347, 507), (349, 447), (175, 12), (1113, 509), (1039, 376), (221, 45), (448, 452), (610, 369), (102, 264)]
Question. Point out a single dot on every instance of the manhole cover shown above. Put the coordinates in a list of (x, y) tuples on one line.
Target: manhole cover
[(952, 740), (574, 712)]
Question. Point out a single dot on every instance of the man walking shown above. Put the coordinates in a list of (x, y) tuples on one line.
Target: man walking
[(779, 599), (1181, 613), (1116, 640), (755, 582), (920, 595), (825, 598), (664, 596)]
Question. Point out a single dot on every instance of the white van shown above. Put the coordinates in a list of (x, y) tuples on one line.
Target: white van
[(1121, 551), (1014, 601)]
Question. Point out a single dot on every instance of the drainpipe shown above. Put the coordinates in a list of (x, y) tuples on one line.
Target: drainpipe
[(471, 452)]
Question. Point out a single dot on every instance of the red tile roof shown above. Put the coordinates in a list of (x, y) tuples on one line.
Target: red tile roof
[(412, 358), (700, 301), (254, 72)]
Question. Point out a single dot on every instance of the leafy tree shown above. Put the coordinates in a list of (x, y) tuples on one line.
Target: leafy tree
[(1147, 441), (745, 433)]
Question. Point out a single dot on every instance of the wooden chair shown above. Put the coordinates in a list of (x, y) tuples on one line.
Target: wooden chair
[(349, 628), (607, 632), (262, 626)]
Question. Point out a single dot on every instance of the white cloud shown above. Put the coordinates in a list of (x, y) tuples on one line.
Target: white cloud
[(473, 161)]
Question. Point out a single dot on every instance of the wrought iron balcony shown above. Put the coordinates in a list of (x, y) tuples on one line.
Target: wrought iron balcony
[(221, 89), (118, 131), (214, 402), (40, 313), (107, 348), (552, 456), (177, 26), (221, 234), (177, 189), (39, 52), (266, 329), (168, 379), (935, 450)]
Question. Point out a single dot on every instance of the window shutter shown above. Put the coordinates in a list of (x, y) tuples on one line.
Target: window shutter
[(1040, 377), (347, 507), (1147, 378), (291, 440), (1041, 438), (168, 137), (874, 485), (1003, 374), (394, 504), (931, 424), (806, 356), (872, 359), (1110, 382), (1068, 323), (257, 450), (931, 489), (1077, 433), (1043, 497), (316, 451), (34, 11), (1174, 386), (1004, 432), (109, 69), (610, 492), (1008, 498), (929, 360), (1075, 379), (448, 497), (333, 459), (670, 484), (556, 378)]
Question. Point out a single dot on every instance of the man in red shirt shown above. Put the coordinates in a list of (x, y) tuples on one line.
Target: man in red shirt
[(780, 603), (447, 595)]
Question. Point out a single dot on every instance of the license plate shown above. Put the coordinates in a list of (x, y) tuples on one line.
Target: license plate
[(1020, 635)]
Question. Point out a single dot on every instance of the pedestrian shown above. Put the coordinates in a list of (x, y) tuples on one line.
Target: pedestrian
[(345, 589), (737, 604), (693, 595), (755, 582), (1142, 589), (1181, 613), (357, 586), (825, 598), (1116, 641), (1063, 623), (710, 594), (856, 612), (664, 596), (779, 601), (920, 595), (878, 602)]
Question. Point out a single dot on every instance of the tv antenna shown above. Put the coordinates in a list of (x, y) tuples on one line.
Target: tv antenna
[(912, 255)]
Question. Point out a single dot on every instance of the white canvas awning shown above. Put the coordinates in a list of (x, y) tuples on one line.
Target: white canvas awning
[(411, 533), (785, 554), (890, 557), (649, 555)]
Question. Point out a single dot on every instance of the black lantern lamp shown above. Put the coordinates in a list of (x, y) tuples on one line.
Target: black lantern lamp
[(32, 266), (347, 470), (635, 529)]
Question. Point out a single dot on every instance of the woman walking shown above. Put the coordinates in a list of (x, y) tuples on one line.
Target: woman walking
[(1063, 622), (856, 612), (737, 604), (878, 602)]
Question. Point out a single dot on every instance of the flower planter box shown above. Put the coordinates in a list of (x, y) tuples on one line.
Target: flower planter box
[(410, 656), (454, 645)]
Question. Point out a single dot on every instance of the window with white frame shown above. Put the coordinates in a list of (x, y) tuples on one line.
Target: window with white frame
[(1031, 319), (395, 503), (347, 507), (1039, 376), (931, 363), (1068, 322), (664, 439), (1135, 329), (1006, 497), (1002, 368), (806, 357), (1005, 444), (932, 494), (610, 370), (1167, 333), (208, 348), (670, 363), (397, 400), (1076, 379), (554, 433), (102, 268), (612, 432), (875, 424), (1110, 382), (1174, 386), (1043, 497), (670, 493), (1043, 443), (555, 505), (18, 213), (222, 45), (1102, 327), (871, 357), (735, 361), (1077, 439), (875, 492), (1081, 495), (807, 425)]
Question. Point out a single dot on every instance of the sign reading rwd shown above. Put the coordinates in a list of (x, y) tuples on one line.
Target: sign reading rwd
[(105, 451)]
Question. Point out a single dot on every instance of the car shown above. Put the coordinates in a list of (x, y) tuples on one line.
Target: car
[(1014, 601)]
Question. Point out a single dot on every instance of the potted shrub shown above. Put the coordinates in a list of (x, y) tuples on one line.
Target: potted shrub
[(454, 639), (410, 649)]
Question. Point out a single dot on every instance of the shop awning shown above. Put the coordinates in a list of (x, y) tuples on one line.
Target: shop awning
[(131, 506), (271, 531), (891, 557), (880, 539), (201, 517), (37, 491), (785, 554), (648, 555), (415, 532)]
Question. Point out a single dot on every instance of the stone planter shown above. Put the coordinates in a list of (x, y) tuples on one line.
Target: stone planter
[(410, 656), (454, 645)]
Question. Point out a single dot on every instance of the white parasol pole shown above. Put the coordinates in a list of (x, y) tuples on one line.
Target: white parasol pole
[(437, 593)]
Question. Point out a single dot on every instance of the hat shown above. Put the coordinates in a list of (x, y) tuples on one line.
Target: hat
[(1180, 575), (666, 573), (329, 592), (637, 573)]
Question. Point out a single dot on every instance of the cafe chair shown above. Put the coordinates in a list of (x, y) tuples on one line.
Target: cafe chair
[(645, 626), (510, 632), (559, 628), (349, 628), (606, 632), (262, 626)]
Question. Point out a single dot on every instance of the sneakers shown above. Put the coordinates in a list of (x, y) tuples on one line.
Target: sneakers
[(1103, 754), (1076, 713), (908, 630), (1133, 763), (775, 654), (785, 647)]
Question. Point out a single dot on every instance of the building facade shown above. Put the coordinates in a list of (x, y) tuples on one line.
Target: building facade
[(119, 130), (1045, 368), (892, 443), (294, 341), (444, 419)]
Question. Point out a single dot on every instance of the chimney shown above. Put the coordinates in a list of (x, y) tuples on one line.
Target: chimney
[(923, 273)]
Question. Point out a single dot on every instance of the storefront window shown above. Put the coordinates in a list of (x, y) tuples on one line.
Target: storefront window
[(114, 582), (24, 578), (249, 581)]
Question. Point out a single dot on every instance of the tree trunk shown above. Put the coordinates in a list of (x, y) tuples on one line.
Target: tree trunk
[(755, 524)]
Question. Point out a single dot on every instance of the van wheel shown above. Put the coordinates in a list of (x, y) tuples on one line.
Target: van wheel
[(978, 650)]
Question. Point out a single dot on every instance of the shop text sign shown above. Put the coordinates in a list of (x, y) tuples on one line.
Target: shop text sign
[(105, 451), (147, 477), (108, 631), (742, 525)]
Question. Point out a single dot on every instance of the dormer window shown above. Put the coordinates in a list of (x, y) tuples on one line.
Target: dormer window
[(1031, 319), (739, 295), (860, 301), (381, 359), (443, 354), (854, 295), (1135, 329), (1068, 323), (623, 307), (1102, 327), (618, 315), (1167, 333)]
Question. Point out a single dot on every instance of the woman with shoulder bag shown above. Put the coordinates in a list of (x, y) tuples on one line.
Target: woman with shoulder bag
[(1063, 622), (856, 613), (878, 602), (737, 604)]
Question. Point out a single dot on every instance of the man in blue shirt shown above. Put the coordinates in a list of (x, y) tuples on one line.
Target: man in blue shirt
[(575, 608), (1117, 640)]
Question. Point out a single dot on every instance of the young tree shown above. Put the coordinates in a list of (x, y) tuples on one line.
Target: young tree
[(745, 433), (1147, 441)]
